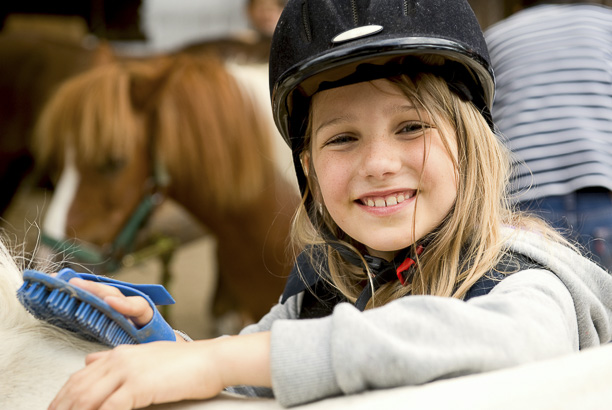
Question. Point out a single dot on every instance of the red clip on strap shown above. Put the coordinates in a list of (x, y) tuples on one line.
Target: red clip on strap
[(408, 262)]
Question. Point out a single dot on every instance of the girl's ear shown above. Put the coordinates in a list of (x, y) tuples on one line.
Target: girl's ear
[(305, 161)]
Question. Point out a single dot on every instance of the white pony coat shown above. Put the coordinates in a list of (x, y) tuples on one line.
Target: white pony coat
[(36, 359)]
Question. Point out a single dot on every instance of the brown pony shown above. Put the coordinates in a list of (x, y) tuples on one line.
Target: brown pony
[(32, 65), (34, 61), (181, 126)]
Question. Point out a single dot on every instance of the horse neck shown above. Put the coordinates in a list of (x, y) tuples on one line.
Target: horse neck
[(279, 198)]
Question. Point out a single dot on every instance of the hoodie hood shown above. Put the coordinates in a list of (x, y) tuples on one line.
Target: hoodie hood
[(588, 283)]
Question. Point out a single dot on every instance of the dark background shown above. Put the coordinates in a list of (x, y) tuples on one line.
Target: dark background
[(119, 19), (111, 19)]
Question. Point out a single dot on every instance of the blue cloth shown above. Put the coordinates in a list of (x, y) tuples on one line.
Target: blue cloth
[(583, 216)]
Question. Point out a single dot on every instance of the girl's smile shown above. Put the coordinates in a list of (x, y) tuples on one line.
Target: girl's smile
[(383, 200), (376, 157)]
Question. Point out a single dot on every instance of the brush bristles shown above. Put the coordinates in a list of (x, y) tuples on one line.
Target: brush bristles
[(61, 309)]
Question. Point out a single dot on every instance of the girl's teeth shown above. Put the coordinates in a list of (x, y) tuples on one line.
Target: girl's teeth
[(391, 201), (382, 202)]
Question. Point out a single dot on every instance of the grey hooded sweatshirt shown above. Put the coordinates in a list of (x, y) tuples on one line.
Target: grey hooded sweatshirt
[(530, 315)]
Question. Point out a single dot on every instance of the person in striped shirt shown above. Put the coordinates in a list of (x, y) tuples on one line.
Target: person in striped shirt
[(553, 107)]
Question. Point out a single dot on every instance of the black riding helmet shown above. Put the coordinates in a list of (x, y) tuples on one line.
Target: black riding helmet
[(322, 44)]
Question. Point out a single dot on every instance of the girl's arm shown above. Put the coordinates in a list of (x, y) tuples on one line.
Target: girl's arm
[(135, 376), (417, 339)]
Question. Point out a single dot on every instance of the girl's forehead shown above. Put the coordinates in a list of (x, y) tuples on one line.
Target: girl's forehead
[(382, 88), (373, 95)]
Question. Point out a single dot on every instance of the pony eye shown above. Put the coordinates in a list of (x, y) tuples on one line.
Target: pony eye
[(111, 166)]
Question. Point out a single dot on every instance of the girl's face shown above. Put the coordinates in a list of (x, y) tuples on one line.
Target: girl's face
[(375, 157)]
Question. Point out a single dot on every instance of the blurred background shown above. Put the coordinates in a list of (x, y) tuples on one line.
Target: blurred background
[(166, 23), (132, 28)]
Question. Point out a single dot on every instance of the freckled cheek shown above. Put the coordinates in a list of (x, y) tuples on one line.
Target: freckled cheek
[(333, 180), (440, 181)]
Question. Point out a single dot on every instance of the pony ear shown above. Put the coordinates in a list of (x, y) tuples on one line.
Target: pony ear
[(147, 82), (142, 90)]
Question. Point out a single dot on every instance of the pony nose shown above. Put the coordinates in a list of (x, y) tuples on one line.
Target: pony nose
[(381, 158)]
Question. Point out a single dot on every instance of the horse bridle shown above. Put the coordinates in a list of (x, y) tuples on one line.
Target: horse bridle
[(118, 253)]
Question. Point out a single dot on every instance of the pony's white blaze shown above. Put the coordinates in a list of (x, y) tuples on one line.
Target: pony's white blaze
[(56, 217)]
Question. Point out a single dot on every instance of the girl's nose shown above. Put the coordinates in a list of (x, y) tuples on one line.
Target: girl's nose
[(381, 158)]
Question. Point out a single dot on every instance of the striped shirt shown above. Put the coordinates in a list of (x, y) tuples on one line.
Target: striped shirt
[(553, 104)]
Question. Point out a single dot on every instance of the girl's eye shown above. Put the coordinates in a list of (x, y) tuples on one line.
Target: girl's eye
[(339, 139), (414, 127)]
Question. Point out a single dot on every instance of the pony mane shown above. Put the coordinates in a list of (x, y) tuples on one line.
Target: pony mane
[(90, 113), (10, 282), (207, 124), (201, 122)]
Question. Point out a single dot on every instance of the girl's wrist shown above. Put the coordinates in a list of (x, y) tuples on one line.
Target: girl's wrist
[(244, 360)]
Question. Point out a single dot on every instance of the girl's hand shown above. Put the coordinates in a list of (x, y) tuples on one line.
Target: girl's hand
[(135, 308), (137, 376)]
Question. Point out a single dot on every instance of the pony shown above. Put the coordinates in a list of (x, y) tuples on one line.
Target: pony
[(182, 126), (36, 61)]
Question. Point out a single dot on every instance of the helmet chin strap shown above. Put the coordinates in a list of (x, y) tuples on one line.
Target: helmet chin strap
[(401, 268), (380, 270)]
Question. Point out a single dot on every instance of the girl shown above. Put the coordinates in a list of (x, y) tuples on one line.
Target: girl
[(412, 265)]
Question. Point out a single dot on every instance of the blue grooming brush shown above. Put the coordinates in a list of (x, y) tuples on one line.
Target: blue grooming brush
[(61, 304)]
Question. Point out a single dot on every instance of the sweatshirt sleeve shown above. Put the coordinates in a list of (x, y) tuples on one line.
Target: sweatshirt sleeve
[(528, 316)]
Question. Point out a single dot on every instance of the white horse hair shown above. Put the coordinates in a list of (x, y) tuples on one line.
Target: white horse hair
[(36, 358)]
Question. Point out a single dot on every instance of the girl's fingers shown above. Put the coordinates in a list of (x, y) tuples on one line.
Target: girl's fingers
[(119, 400), (92, 357), (87, 388), (134, 307), (99, 289)]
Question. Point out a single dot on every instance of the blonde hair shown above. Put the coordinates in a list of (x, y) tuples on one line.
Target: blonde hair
[(468, 242)]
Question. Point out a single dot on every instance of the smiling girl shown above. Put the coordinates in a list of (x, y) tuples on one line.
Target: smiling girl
[(373, 150), (412, 267)]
